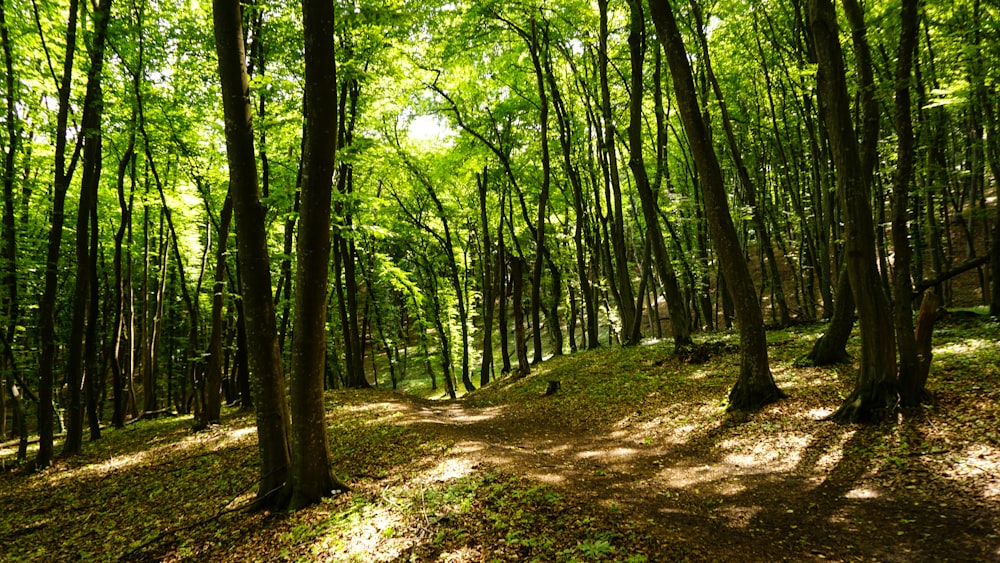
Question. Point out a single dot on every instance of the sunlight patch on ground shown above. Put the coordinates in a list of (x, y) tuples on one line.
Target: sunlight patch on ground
[(699, 374), (862, 493), (461, 555), (818, 414), (547, 478), (965, 347), (116, 463), (369, 407), (212, 440), (774, 453), (371, 530), (612, 453), (463, 416), (979, 464), (240, 433), (834, 452), (689, 477), (448, 470)]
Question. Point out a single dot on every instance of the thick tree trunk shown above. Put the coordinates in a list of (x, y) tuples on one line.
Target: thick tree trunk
[(876, 389), (755, 386), (831, 348), (311, 473), (268, 380)]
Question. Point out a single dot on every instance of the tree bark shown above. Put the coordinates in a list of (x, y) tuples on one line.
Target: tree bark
[(47, 305), (619, 265), (680, 324), (875, 392), (911, 384), (212, 412), (312, 478), (755, 386), (489, 279), (268, 380)]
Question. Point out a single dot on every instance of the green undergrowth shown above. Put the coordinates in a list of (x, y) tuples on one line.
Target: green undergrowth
[(156, 491)]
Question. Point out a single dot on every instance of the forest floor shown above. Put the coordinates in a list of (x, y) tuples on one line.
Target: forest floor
[(632, 459)]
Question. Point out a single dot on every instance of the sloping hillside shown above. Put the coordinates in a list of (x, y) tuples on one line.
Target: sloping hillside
[(632, 459)]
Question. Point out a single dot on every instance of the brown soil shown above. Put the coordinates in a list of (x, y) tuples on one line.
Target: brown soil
[(725, 494)]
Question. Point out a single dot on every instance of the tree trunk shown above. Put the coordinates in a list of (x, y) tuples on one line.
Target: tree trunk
[(875, 392), (619, 256), (581, 221), (47, 305), (831, 348), (755, 386), (254, 262), (489, 278), (311, 475), (212, 412), (680, 324), (910, 368), (9, 306), (517, 293)]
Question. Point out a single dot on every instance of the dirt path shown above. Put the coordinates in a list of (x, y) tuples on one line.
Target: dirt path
[(720, 494)]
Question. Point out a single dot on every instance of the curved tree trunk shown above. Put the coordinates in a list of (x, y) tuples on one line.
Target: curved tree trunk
[(680, 323), (875, 391), (831, 348), (755, 386)]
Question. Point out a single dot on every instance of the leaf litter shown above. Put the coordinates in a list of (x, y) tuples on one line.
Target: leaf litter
[(632, 459)]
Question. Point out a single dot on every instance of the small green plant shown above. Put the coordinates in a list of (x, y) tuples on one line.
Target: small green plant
[(596, 548)]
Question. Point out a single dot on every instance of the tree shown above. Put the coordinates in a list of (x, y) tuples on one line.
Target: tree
[(680, 325), (755, 386), (47, 305), (82, 347), (268, 378), (875, 390), (912, 376), (310, 474)]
